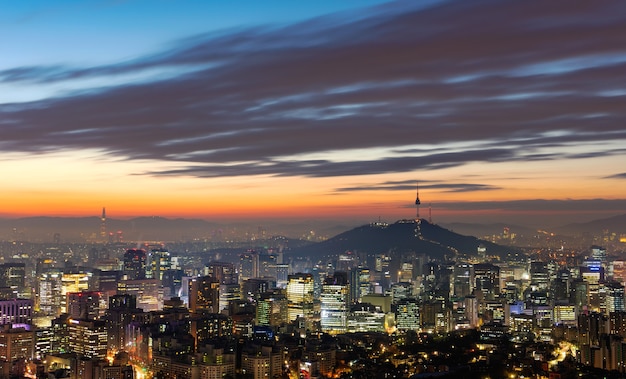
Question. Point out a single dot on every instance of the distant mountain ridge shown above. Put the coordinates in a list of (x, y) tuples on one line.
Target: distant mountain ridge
[(154, 228), (614, 224)]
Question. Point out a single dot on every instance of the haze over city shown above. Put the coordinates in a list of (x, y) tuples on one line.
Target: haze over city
[(502, 111)]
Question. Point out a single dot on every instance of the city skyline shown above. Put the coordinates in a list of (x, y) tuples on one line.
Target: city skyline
[(502, 111)]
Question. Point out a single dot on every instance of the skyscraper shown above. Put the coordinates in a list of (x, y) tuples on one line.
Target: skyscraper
[(614, 297), (86, 305), (159, 261), (12, 277), (88, 338), (300, 296), (135, 264), (249, 265), (204, 294), (334, 303), (222, 272), (121, 312), (103, 225)]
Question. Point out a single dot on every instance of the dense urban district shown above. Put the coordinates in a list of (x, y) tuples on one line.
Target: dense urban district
[(403, 300)]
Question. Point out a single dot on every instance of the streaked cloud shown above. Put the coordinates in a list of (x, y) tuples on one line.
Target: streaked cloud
[(521, 81)]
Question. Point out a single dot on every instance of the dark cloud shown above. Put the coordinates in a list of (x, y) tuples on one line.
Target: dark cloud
[(506, 78), (539, 205), (617, 176), (411, 185)]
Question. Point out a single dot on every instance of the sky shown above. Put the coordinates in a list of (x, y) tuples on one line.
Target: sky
[(510, 111)]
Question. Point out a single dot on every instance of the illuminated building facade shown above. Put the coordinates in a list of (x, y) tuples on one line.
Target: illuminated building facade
[(462, 283), (335, 301), (16, 343), (149, 293), (249, 265), (73, 280), (215, 364), (407, 315), (262, 362), (12, 277), (120, 313), (272, 309), (49, 292), (365, 318), (16, 311), (486, 280), (565, 314), (86, 305), (88, 338), (222, 272), (300, 296), (204, 294), (614, 297), (134, 266), (159, 261)]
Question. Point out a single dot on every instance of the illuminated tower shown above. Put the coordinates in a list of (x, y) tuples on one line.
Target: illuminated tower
[(418, 231), (103, 225), (417, 202)]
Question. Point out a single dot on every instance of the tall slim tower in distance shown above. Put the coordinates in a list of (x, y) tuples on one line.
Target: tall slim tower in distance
[(103, 225), (417, 201)]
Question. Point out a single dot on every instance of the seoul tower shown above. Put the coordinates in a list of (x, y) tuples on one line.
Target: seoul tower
[(417, 201)]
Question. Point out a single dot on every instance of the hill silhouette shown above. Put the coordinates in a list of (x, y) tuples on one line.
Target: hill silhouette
[(401, 237)]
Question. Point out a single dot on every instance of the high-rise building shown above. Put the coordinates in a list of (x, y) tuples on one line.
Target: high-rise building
[(135, 264), (251, 289), (401, 291), (272, 308), (614, 297), (249, 265), (407, 315), (73, 280), (539, 275), (16, 343), (204, 294), (561, 285), (261, 362), (121, 312), (12, 277), (103, 226), (159, 261), (88, 338), (16, 311), (463, 280), (228, 293), (471, 310), (436, 317), (216, 363), (365, 318), (86, 305), (300, 296), (209, 326), (487, 280), (267, 265), (222, 272), (149, 293), (335, 300)]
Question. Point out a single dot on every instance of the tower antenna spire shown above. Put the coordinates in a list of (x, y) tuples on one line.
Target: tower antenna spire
[(417, 201)]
